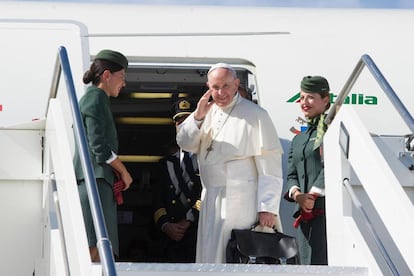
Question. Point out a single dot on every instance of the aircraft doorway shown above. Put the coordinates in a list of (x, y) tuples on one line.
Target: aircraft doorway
[(142, 114)]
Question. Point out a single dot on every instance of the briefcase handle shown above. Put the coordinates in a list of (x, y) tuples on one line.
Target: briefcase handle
[(277, 226)]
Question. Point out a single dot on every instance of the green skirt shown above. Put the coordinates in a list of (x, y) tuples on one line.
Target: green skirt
[(109, 208)]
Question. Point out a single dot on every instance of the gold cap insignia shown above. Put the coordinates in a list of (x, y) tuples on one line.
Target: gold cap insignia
[(183, 105)]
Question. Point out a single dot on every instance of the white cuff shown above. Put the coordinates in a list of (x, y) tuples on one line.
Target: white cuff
[(291, 191), (198, 122), (317, 190), (112, 158)]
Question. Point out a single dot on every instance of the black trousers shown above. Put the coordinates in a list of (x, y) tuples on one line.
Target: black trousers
[(312, 241)]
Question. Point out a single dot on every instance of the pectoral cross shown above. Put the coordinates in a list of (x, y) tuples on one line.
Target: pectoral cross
[(218, 129), (210, 148)]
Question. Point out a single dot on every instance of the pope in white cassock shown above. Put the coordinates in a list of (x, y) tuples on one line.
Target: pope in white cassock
[(239, 155)]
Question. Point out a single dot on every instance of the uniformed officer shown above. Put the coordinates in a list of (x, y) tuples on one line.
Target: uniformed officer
[(177, 197)]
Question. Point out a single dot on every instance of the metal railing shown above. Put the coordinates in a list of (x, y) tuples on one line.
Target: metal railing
[(59, 224), (406, 116), (383, 83), (370, 227), (103, 242)]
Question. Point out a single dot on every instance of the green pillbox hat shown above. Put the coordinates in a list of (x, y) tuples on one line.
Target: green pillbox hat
[(114, 57), (314, 84)]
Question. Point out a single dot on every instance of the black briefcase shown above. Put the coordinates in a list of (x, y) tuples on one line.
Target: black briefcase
[(251, 247)]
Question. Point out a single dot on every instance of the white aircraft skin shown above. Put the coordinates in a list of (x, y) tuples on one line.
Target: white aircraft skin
[(292, 42)]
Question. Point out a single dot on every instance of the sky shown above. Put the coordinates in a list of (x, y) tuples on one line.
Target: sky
[(380, 4)]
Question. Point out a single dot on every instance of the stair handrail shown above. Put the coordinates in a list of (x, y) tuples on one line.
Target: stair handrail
[(103, 242), (358, 205), (367, 61)]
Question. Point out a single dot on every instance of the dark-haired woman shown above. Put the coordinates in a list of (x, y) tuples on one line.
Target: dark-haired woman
[(305, 178), (107, 75)]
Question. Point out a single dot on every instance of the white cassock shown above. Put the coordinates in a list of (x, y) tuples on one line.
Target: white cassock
[(241, 175)]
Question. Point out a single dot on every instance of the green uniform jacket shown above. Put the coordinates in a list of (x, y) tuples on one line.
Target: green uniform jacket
[(305, 170), (102, 140), (305, 167), (100, 133)]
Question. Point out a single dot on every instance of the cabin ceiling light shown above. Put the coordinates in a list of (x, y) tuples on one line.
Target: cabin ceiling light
[(155, 95), (140, 158), (144, 120)]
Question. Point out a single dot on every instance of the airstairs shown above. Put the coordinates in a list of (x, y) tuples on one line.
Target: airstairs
[(370, 184), (369, 202)]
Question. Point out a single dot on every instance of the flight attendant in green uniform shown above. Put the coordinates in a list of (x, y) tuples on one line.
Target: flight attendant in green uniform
[(305, 177), (107, 75)]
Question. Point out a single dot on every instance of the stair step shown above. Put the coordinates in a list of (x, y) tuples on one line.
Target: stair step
[(173, 269)]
